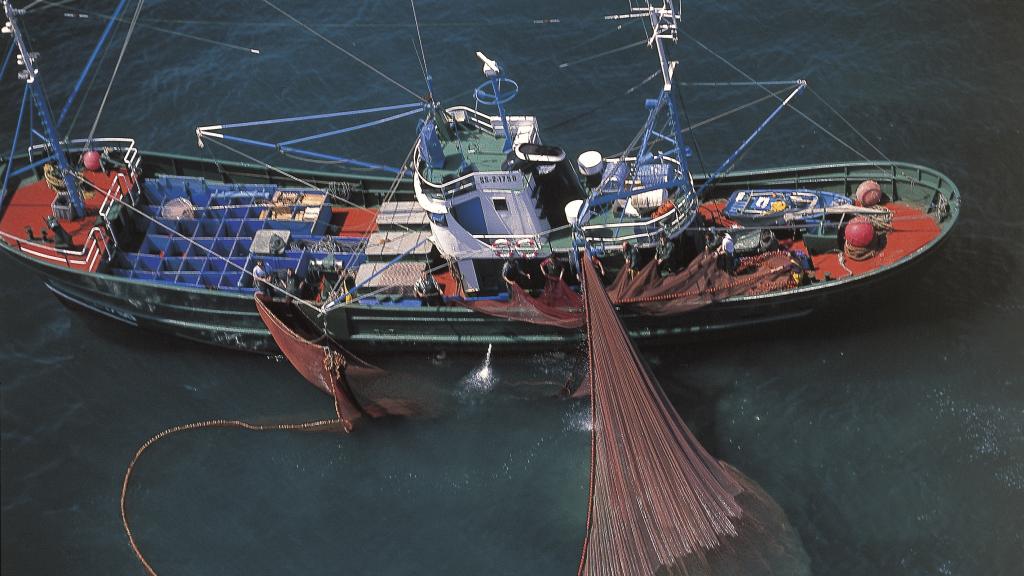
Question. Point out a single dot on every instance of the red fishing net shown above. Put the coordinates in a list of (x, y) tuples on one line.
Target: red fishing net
[(659, 503), (557, 305), (321, 364), (646, 291), (701, 283)]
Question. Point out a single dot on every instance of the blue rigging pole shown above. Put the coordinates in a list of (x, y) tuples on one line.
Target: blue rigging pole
[(92, 59), (7, 60), (750, 139), (14, 145), (36, 88)]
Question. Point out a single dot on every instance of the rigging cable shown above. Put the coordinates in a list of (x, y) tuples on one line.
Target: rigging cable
[(117, 66), (794, 108), (847, 122), (422, 53), (601, 54), (92, 83), (342, 50), (142, 24)]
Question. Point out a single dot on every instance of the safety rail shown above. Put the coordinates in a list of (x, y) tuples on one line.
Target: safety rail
[(446, 190), (476, 117), (507, 245), (87, 258), (683, 211), (124, 188), (439, 192), (131, 158)]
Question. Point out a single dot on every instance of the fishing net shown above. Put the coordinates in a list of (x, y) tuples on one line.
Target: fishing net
[(352, 382), (704, 281), (701, 283), (659, 503), (557, 305), (321, 364)]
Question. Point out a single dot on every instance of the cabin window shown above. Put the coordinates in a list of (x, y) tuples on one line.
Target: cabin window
[(500, 204)]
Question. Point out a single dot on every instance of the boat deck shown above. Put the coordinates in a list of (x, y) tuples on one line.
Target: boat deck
[(354, 222), (30, 205), (912, 230), (481, 149)]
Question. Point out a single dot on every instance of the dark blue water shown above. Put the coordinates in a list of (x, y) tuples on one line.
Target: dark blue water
[(891, 434)]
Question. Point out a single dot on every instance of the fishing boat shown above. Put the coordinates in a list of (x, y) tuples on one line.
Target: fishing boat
[(418, 254)]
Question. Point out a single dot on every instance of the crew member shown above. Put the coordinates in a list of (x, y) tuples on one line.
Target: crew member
[(552, 268), (61, 238), (293, 285), (261, 278), (631, 258), (427, 290), (513, 273), (727, 253), (663, 254)]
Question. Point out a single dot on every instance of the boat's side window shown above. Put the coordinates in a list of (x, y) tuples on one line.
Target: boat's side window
[(500, 204)]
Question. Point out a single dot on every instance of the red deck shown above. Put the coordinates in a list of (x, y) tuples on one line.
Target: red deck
[(354, 221), (30, 205), (912, 230), (446, 282)]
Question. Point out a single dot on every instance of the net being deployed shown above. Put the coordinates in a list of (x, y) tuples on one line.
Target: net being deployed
[(659, 503)]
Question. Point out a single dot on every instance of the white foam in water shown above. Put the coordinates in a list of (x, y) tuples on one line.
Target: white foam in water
[(483, 379), (579, 418)]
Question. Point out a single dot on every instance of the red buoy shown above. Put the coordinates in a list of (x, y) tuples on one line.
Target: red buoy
[(91, 160), (869, 193), (860, 233)]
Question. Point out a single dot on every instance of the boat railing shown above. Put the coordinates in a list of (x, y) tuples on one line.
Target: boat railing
[(506, 245), (445, 190), (682, 212), (525, 125), (123, 189), (475, 117), (130, 158), (88, 258)]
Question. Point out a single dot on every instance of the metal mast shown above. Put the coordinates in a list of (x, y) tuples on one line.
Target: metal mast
[(35, 84), (664, 22)]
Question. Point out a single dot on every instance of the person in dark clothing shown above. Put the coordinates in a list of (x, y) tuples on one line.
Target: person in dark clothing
[(552, 268), (293, 285), (513, 273), (663, 254), (61, 238), (427, 290), (631, 258)]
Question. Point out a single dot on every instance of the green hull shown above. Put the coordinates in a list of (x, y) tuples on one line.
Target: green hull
[(230, 319)]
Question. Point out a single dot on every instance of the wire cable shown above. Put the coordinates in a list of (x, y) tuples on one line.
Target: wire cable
[(342, 50), (117, 66)]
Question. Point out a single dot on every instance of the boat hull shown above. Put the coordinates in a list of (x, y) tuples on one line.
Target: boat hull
[(230, 319)]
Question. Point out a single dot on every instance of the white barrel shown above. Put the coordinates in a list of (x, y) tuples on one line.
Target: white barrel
[(572, 210), (591, 163)]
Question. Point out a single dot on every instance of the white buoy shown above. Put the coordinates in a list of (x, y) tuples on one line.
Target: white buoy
[(572, 211), (591, 166)]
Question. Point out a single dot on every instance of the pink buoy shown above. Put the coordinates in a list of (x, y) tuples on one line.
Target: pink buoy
[(869, 193), (91, 160), (860, 233)]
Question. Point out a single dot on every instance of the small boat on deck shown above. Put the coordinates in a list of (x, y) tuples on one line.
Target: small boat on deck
[(181, 244), (788, 208)]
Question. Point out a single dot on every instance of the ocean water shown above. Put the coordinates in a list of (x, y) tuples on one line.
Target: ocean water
[(891, 434)]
